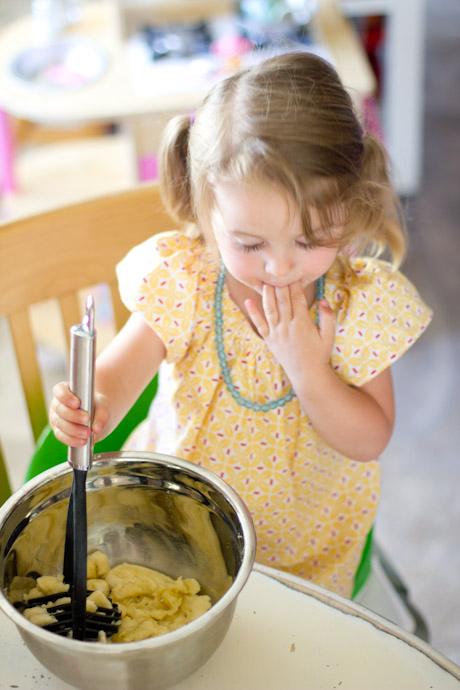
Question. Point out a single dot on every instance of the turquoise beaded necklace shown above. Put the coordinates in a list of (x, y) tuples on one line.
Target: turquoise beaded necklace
[(219, 336)]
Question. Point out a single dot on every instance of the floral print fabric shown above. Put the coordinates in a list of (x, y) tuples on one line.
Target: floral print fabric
[(312, 507)]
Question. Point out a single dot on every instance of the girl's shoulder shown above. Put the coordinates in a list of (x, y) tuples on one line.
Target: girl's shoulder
[(380, 314), (163, 259), (168, 280), (371, 283)]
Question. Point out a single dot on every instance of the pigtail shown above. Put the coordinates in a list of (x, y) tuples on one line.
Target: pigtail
[(376, 206), (174, 170)]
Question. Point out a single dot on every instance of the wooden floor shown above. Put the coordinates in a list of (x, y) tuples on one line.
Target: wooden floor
[(419, 519)]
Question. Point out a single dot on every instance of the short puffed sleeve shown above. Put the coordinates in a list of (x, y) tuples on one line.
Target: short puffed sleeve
[(159, 280), (379, 316)]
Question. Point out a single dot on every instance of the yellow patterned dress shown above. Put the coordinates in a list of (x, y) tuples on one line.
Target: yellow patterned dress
[(312, 507)]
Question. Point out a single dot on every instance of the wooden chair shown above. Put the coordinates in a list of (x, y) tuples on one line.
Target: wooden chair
[(56, 255)]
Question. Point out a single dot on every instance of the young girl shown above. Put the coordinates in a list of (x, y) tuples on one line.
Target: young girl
[(274, 324)]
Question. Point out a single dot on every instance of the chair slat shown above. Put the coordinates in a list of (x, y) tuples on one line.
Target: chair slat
[(29, 370), (69, 306)]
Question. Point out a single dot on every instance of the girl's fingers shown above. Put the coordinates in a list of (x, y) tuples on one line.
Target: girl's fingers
[(64, 395), (257, 318), (283, 303), (69, 414), (270, 306), (73, 441), (68, 421), (70, 424), (69, 433), (298, 301)]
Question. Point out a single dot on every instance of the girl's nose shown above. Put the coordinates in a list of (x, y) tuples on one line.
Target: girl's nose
[(278, 265)]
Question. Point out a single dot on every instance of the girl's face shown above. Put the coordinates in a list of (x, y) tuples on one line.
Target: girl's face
[(260, 238)]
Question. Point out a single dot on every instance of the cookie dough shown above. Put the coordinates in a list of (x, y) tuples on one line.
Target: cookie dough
[(151, 603)]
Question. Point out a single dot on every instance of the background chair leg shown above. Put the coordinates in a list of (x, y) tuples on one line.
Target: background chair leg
[(421, 628)]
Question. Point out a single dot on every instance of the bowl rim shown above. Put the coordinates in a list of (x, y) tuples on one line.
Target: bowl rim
[(172, 637)]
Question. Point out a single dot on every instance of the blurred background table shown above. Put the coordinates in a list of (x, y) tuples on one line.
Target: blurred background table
[(139, 102)]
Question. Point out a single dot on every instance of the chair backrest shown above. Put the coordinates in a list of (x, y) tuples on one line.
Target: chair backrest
[(56, 255)]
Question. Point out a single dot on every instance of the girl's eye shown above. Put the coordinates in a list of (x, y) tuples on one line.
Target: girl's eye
[(255, 247), (250, 247)]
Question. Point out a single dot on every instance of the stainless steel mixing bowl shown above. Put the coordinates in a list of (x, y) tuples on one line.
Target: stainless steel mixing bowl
[(146, 509)]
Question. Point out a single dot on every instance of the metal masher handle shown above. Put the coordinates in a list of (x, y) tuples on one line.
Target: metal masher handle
[(82, 364)]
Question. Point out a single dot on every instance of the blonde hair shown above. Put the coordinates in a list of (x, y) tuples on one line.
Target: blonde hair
[(288, 121)]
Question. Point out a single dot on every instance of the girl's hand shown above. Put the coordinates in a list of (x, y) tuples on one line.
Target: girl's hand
[(295, 340), (70, 423), (357, 422)]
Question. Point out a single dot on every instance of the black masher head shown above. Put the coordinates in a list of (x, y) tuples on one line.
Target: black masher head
[(57, 609)]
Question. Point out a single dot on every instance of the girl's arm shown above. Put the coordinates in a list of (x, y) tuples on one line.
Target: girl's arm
[(357, 422), (123, 370)]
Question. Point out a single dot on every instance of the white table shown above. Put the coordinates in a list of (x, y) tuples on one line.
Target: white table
[(287, 635)]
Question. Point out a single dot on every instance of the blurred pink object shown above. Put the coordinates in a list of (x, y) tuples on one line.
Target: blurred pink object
[(61, 75), (148, 168), (7, 182), (231, 46), (372, 121)]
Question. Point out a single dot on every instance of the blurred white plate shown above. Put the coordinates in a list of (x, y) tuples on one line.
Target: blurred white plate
[(66, 64)]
